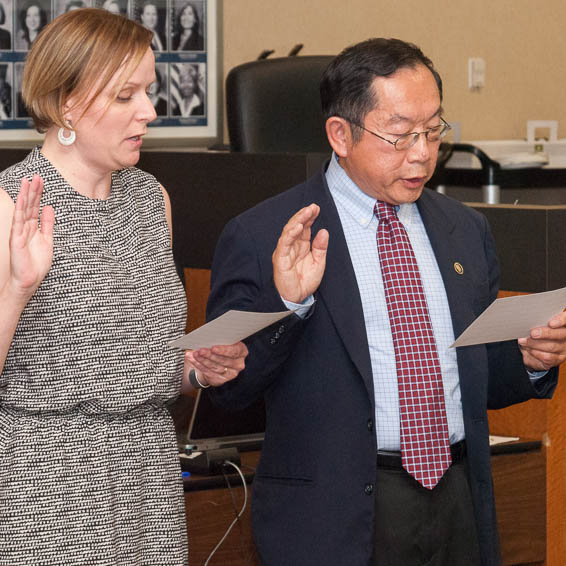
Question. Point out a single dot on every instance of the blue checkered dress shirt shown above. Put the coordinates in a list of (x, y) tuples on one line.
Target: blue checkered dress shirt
[(355, 209)]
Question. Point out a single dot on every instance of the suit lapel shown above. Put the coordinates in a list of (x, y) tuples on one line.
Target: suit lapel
[(339, 288), (451, 245), (447, 247)]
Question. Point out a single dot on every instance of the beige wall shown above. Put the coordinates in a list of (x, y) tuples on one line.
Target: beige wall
[(522, 41)]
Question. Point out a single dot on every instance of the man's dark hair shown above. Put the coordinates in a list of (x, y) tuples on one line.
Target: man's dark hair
[(346, 84)]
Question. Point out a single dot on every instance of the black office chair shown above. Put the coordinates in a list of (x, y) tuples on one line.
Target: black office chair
[(273, 105)]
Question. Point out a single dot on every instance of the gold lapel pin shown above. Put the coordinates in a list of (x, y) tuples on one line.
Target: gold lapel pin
[(458, 268)]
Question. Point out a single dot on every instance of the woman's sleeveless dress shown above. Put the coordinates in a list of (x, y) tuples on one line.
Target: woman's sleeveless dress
[(89, 472)]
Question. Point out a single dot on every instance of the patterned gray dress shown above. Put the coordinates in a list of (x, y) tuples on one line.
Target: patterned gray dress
[(89, 473)]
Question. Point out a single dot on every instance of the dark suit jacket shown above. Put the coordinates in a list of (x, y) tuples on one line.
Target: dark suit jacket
[(312, 501), (194, 43), (5, 39), (163, 40), (161, 107)]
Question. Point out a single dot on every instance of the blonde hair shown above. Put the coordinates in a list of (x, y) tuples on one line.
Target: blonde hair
[(78, 50)]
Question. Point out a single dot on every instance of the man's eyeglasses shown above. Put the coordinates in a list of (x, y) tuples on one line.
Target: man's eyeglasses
[(407, 141)]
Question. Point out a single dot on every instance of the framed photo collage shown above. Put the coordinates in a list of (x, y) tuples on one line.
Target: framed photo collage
[(185, 44)]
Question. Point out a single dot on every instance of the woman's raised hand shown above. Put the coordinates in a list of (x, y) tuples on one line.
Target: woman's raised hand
[(31, 247)]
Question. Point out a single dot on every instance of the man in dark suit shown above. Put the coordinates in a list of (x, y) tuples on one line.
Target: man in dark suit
[(337, 482)]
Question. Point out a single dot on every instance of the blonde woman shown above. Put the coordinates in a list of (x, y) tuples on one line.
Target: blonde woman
[(89, 471)]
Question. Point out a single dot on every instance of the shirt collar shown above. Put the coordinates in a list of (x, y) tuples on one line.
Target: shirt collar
[(357, 203)]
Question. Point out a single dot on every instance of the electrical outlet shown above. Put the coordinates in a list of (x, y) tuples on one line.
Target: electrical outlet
[(476, 73)]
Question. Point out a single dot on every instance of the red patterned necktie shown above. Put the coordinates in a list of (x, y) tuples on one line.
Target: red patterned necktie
[(425, 445)]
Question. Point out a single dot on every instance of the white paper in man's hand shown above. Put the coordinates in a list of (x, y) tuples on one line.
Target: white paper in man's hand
[(513, 317), (229, 328)]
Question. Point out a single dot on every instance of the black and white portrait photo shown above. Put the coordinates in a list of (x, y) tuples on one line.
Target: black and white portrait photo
[(62, 6), (21, 111), (32, 17), (5, 25), (119, 7), (6, 82), (187, 26), (187, 89), (158, 90), (152, 14)]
